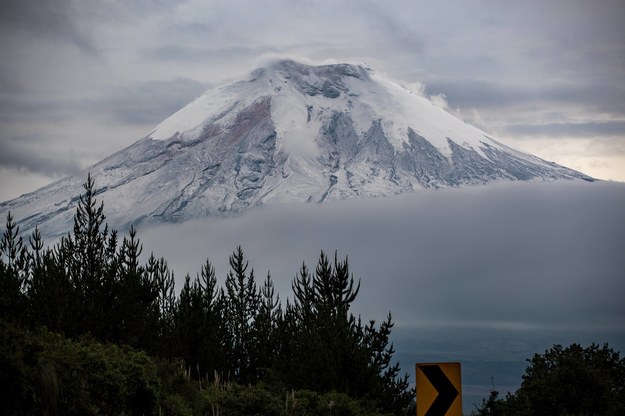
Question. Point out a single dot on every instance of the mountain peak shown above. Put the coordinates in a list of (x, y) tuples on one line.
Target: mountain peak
[(290, 67), (290, 133), (326, 80)]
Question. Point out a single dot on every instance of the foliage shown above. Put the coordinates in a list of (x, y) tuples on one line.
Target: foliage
[(566, 381), (87, 307), (492, 406), (329, 349), (13, 272), (46, 373), (242, 300), (262, 399), (198, 325)]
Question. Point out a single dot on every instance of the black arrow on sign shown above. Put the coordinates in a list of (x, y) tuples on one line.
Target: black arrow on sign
[(447, 393)]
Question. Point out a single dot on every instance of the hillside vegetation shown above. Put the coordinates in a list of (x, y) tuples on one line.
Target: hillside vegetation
[(87, 329)]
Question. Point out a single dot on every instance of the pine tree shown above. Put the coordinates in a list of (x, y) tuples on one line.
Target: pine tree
[(295, 333), (157, 272), (13, 273), (35, 257), (264, 347), (188, 314), (327, 348), (212, 356), (304, 293), (199, 325), (136, 297), (51, 294), (85, 258), (323, 338), (90, 237), (334, 287), (384, 380), (242, 301), (334, 293), (12, 248)]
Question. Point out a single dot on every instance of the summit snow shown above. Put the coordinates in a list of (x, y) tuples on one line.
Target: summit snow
[(290, 133)]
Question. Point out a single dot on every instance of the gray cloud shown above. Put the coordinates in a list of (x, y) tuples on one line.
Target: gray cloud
[(186, 53), (493, 95), (607, 128), (55, 18), (141, 102), (144, 105), (147, 102), (19, 108), (28, 156)]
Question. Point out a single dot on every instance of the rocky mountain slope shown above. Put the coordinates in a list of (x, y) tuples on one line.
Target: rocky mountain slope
[(290, 133)]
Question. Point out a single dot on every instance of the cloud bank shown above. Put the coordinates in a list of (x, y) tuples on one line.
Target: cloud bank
[(516, 256), (484, 275)]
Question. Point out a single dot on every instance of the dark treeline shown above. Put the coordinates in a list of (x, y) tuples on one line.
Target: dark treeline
[(565, 381), (92, 284)]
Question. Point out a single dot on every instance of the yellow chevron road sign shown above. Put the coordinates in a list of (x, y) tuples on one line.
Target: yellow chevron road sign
[(439, 389)]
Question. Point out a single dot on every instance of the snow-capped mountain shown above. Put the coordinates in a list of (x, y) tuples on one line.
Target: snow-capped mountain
[(290, 133)]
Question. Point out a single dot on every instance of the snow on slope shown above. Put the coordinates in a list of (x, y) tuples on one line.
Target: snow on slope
[(291, 133), (368, 97)]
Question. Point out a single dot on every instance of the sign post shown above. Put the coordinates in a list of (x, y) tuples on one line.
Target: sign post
[(439, 389)]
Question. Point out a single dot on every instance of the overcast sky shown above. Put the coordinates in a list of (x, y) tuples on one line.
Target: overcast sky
[(80, 80)]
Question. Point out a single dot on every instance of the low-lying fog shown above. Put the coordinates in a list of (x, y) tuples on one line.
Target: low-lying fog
[(485, 275)]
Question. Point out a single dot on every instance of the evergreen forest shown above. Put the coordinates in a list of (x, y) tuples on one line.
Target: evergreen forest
[(86, 328)]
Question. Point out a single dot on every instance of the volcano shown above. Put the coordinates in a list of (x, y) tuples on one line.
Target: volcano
[(290, 133)]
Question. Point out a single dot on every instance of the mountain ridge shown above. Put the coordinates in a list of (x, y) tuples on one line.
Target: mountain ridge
[(290, 133)]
